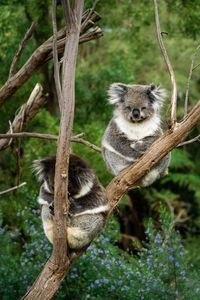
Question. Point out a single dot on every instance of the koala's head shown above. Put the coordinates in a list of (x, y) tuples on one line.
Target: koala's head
[(136, 102)]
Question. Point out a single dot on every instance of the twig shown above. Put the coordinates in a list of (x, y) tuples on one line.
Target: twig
[(195, 139), (90, 11), (22, 44), (13, 188), (169, 66), (55, 55), (196, 67), (189, 79), (86, 143), (26, 113)]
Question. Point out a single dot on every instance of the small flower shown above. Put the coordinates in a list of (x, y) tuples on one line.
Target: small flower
[(158, 239), (171, 258)]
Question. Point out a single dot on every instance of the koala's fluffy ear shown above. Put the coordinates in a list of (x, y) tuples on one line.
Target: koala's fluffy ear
[(42, 167), (116, 92), (157, 92)]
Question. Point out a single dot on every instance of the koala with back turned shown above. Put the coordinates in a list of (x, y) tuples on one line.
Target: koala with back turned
[(135, 125), (88, 205)]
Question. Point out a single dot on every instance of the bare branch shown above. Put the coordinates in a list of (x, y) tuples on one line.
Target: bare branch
[(77, 138), (13, 188), (189, 79), (26, 113), (90, 12), (169, 66), (40, 56), (196, 139), (55, 55), (22, 44)]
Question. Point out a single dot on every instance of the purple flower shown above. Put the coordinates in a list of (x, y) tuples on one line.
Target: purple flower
[(158, 239), (171, 258)]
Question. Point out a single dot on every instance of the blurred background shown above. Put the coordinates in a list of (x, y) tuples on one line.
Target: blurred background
[(152, 226)]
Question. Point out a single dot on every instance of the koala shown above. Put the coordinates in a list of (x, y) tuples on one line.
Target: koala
[(135, 125), (88, 203)]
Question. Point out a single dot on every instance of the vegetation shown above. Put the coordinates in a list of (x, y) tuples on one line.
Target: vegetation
[(128, 52)]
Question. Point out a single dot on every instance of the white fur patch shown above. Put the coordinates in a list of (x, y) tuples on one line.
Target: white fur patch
[(114, 92), (41, 201), (137, 131), (106, 145), (85, 189), (46, 187), (93, 211), (38, 169)]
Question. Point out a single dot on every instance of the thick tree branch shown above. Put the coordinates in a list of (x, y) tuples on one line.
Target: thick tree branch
[(18, 54), (40, 56), (168, 64), (26, 113), (54, 271)]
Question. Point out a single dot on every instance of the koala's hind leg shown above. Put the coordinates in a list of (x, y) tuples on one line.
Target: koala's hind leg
[(82, 229), (161, 169)]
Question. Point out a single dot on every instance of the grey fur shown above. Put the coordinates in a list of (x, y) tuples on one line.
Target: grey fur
[(134, 127), (88, 203)]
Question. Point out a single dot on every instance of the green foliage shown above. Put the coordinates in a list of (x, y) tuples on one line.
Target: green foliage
[(162, 269), (128, 52)]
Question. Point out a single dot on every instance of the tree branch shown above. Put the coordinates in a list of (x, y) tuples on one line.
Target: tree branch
[(39, 57), (55, 55), (54, 271), (77, 138), (195, 139), (17, 56), (26, 113), (189, 79), (169, 66), (13, 188)]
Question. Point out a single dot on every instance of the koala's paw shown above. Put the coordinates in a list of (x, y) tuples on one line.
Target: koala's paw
[(136, 145), (150, 178)]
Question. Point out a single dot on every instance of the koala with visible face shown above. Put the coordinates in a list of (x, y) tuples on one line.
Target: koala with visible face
[(134, 127), (88, 203)]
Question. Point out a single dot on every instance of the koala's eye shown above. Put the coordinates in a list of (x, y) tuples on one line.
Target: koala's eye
[(128, 108), (143, 108)]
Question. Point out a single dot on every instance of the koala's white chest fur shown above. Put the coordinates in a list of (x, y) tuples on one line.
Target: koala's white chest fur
[(137, 131)]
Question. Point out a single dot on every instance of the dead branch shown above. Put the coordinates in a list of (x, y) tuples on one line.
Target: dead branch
[(189, 79), (25, 114), (195, 139), (169, 66), (13, 188), (22, 44), (41, 56)]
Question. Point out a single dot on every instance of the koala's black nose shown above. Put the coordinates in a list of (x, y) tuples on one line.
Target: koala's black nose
[(136, 113)]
